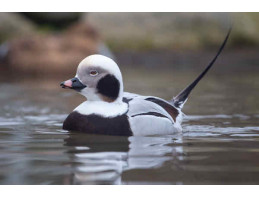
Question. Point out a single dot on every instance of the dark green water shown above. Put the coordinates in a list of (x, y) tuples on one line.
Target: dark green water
[(219, 144)]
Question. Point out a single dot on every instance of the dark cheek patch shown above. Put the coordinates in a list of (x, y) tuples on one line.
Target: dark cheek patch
[(109, 88)]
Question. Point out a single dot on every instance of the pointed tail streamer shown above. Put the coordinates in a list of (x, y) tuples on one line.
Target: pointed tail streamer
[(182, 97)]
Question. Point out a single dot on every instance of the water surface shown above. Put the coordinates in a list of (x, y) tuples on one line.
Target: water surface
[(219, 144)]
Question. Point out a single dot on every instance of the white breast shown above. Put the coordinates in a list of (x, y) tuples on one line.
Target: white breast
[(102, 108)]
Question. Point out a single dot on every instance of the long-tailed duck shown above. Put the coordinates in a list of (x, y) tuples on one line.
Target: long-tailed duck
[(109, 110)]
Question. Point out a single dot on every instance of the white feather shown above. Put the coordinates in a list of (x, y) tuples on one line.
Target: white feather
[(139, 105), (102, 108), (151, 125)]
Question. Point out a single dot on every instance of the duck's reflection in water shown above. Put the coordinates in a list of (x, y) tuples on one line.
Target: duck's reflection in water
[(97, 159)]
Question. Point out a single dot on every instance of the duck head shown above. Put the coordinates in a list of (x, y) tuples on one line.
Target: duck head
[(98, 78)]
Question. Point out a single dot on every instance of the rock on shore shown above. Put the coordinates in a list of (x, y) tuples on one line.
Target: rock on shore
[(51, 53)]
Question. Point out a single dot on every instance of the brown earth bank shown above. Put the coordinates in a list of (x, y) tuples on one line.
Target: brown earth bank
[(50, 53)]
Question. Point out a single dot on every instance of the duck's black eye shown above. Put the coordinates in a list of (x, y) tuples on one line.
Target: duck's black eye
[(93, 73)]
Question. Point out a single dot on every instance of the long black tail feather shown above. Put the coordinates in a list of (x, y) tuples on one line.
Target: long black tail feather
[(181, 98)]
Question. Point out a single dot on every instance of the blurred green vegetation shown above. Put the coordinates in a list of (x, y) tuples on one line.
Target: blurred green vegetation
[(50, 21), (20, 25), (13, 25), (148, 31), (142, 31)]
